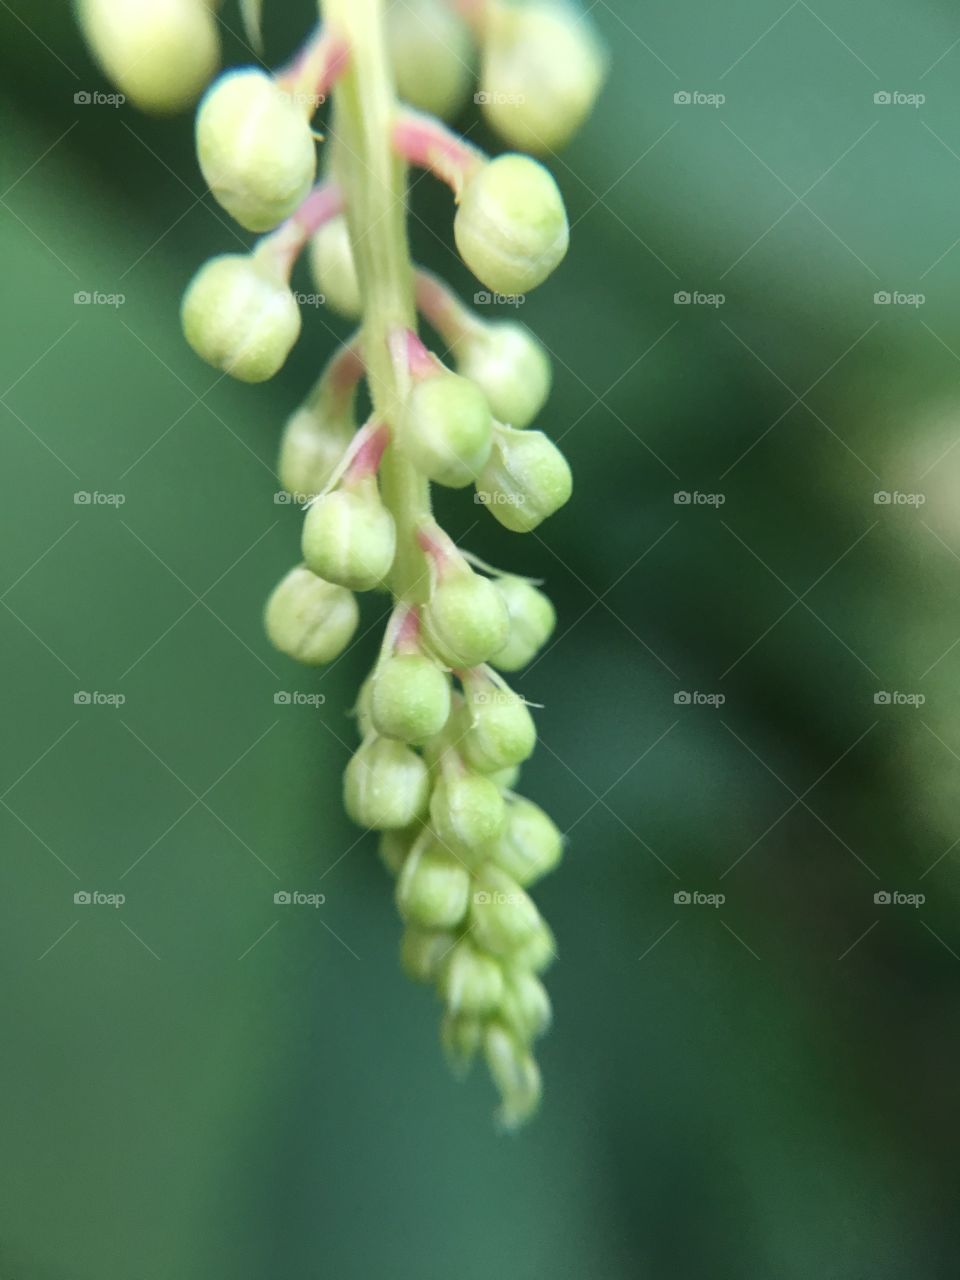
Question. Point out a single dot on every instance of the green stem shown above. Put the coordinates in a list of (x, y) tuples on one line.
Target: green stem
[(374, 181)]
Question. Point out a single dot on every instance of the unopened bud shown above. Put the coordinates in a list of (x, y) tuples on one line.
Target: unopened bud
[(472, 981), (525, 1005), (504, 918), (466, 810), (310, 449), (309, 619), (532, 620), (386, 785), (501, 731), (509, 366), (514, 1072), (511, 227), (539, 953), (422, 952), (528, 844), (256, 149), (160, 54), (446, 428), (333, 267), (240, 316), (394, 848), (410, 698), (526, 479), (432, 55), (466, 619), (434, 889), (349, 536), (461, 1037), (542, 71)]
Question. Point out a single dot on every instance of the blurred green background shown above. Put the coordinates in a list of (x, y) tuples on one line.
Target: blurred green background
[(203, 1084)]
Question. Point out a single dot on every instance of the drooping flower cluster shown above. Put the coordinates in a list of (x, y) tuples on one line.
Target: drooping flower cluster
[(443, 736)]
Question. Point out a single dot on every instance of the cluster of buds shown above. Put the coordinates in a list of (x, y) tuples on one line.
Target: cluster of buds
[(442, 735)]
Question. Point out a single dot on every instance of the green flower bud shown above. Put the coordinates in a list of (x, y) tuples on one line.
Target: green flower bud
[(515, 1074), (525, 1006), (310, 449), (532, 620), (542, 72), (386, 785), (311, 620), (504, 918), (240, 316), (423, 951), (434, 888), (526, 479), (466, 619), (349, 536), (528, 845), (505, 778), (446, 429), (501, 731), (394, 847), (410, 698), (539, 953), (471, 982), (333, 268), (432, 55), (466, 810), (461, 1037), (161, 54), (511, 226), (510, 367), (256, 149)]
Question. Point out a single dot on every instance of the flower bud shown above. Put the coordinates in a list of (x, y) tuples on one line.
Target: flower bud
[(466, 810), (526, 479), (446, 428), (386, 785), (525, 1005), (511, 227), (504, 918), (310, 448), (509, 366), (528, 844), (333, 268), (505, 778), (423, 951), (410, 698), (461, 1037), (309, 619), (472, 981), (240, 316), (515, 1074), (532, 620), (256, 150), (160, 54), (432, 55), (349, 536), (501, 731), (395, 846), (543, 68), (433, 889), (466, 619), (539, 953)]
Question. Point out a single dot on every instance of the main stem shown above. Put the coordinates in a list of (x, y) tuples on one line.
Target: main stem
[(374, 184)]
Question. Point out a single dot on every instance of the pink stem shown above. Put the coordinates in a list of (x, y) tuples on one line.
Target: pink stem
[(427, 144), (406, 639), (289, 240), (410, 354), (440, 307), (316, 68), (366, 452)]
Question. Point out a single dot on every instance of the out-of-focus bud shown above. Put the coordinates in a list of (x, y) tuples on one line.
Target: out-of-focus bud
[(161, 54), (543, 67), (432, 55), (466, 810), (528, 844), (526, 479), (525, 1005), (515, 1074), (239, 315), (256, 150), (504, 918), (471, 981), (501, 731), (349, 536), (386, 785), (511, 226), (410, 698), (505, 778), (309, 619), (423, 951), (310, 448), (394, 846), (461, 1037), (446, 428), (539, 953), (532, 620), (333, 268), (434, 889), (509, 366), (466, 619)]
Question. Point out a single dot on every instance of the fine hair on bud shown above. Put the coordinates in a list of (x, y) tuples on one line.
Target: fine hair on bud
[(511, 368), (526, 479), (434, 888), (386, 785), (410, 698), (333, 268), (465, 620), (532, 620), (309, 619), (350, 537)]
